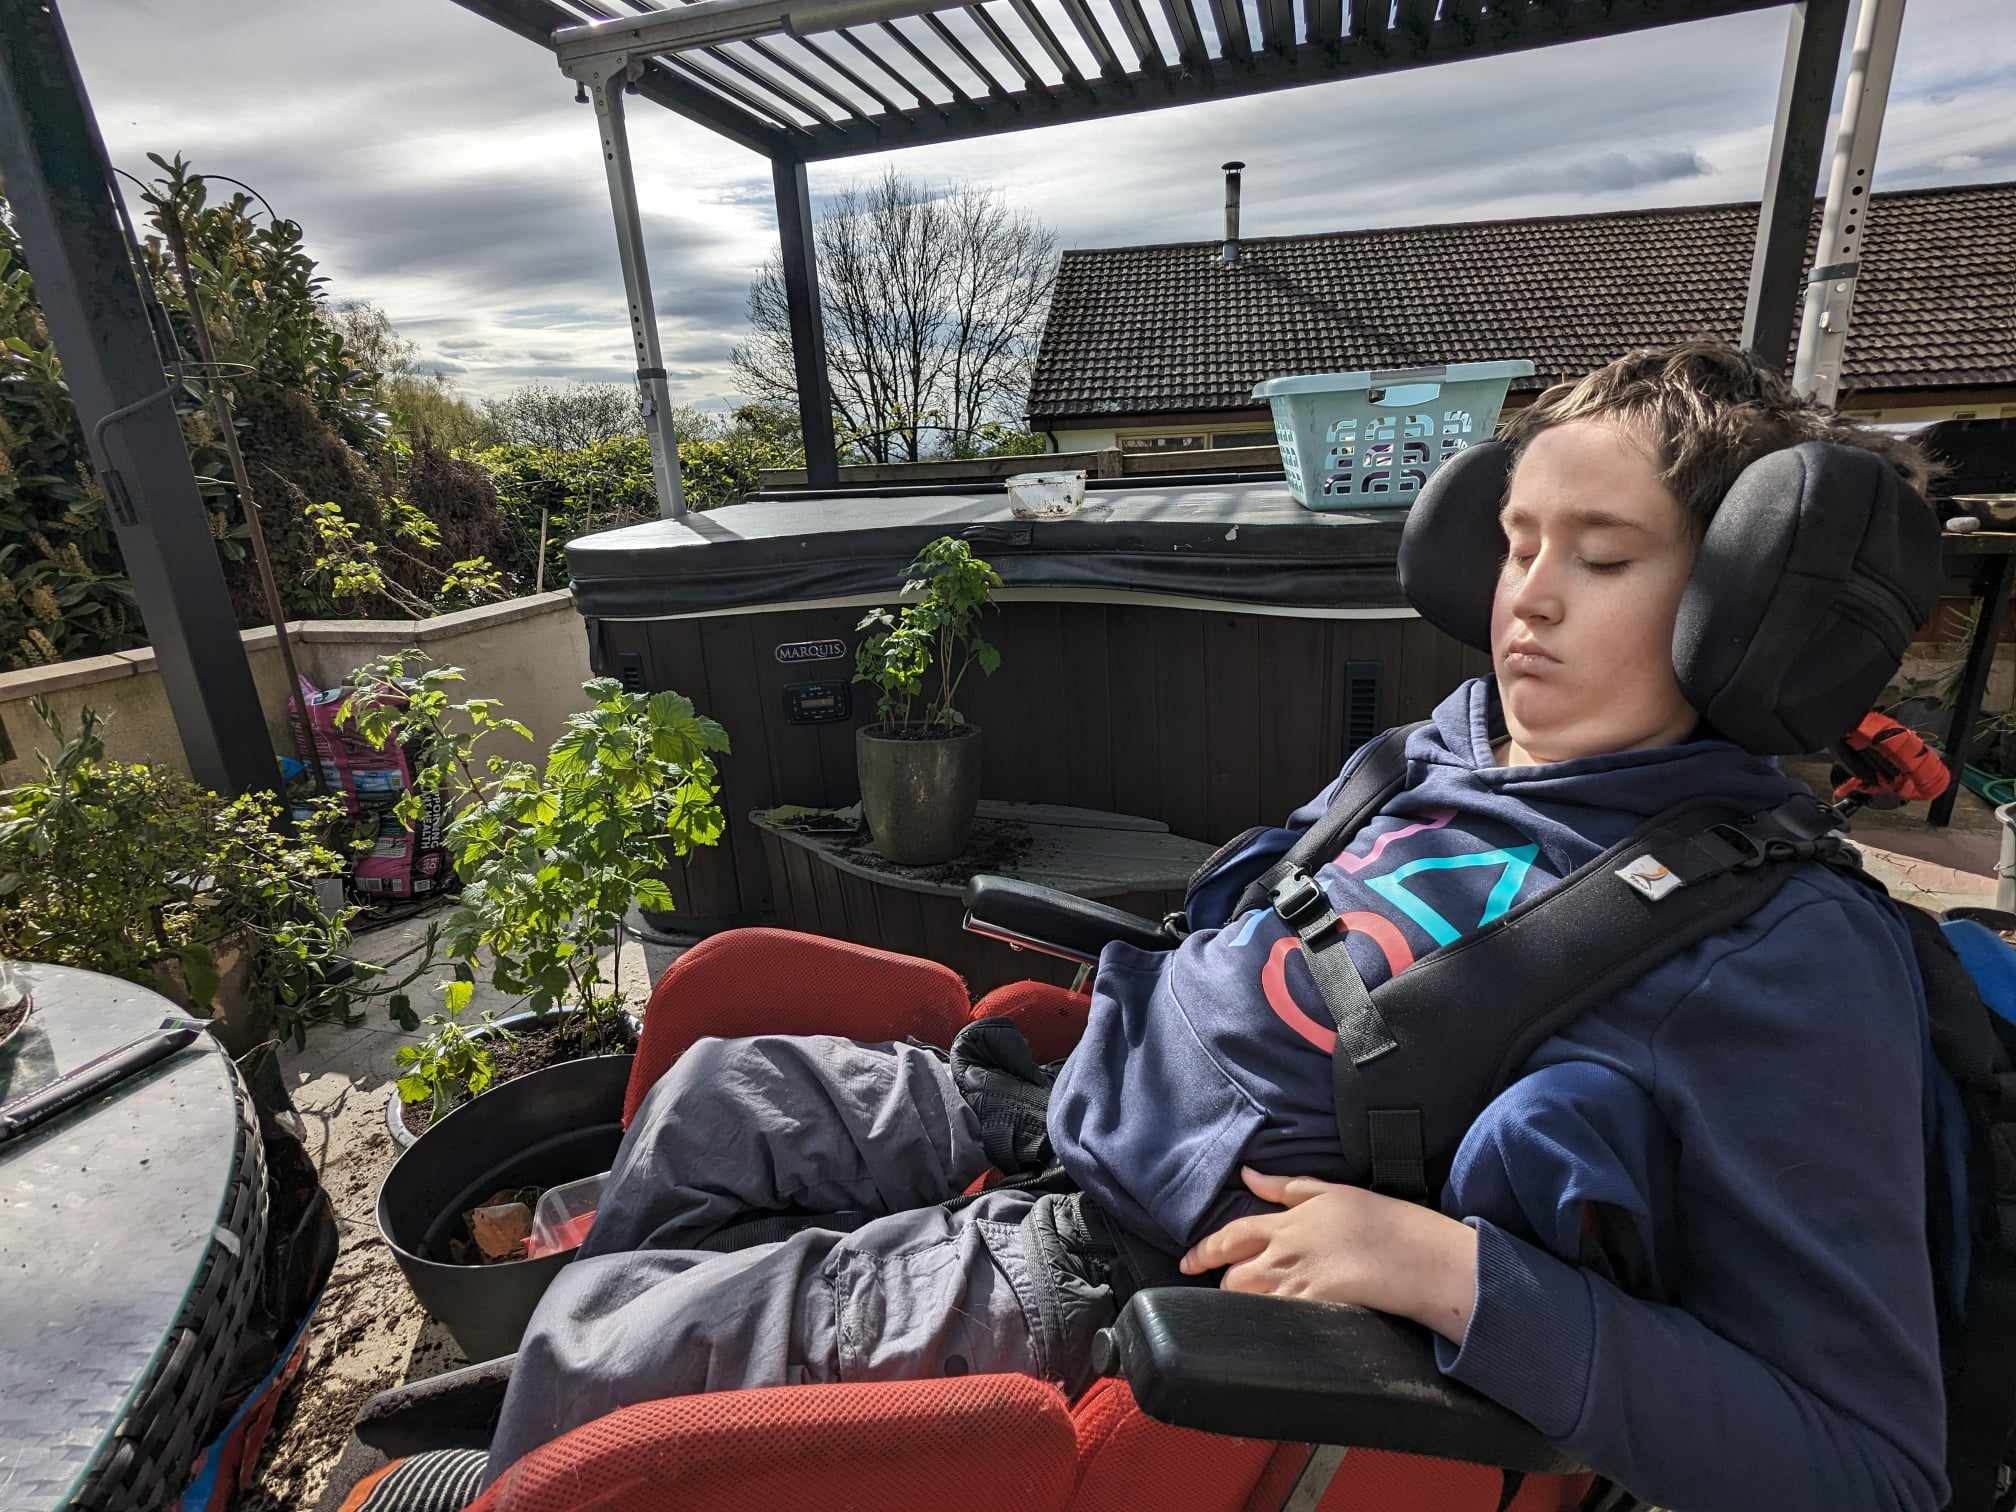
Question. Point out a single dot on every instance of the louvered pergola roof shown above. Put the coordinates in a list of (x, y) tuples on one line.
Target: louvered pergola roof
[(813, 79), (806, 80)]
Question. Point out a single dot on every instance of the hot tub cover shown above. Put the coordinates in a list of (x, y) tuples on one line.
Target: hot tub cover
[(1239, 542)]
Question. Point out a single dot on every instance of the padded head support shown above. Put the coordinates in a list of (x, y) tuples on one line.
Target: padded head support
[(1814, 574), (1452, 545)]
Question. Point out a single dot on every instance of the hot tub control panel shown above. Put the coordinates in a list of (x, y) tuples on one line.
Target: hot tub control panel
[(818, 702)]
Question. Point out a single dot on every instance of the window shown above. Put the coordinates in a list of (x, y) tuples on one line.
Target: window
[(1185, 441), (1242, 438)]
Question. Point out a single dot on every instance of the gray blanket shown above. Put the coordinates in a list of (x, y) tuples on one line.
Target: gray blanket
[(896, 1286)]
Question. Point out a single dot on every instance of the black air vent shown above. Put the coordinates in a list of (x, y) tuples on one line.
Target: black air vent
[(1361, 703), (630, 668)]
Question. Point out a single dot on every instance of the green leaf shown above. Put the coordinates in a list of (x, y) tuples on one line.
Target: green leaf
[(651, 893), (456, 995), (414, 1089)]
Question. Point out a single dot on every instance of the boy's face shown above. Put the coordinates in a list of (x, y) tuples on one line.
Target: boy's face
[(1582, 622)]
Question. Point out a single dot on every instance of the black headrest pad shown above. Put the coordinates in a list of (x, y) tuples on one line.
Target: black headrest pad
[(1452, 547), (1815, 573), (1818, 568)]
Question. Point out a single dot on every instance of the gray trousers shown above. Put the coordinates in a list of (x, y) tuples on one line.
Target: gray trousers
[(778, 1124)]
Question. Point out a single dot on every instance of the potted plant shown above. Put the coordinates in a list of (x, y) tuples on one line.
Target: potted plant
[(919, 764), (141, 874), (551, 857)]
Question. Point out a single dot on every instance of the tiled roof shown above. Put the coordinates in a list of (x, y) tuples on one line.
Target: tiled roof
[(1141, 330)]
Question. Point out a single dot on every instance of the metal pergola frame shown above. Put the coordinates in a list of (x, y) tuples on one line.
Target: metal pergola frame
[(803, 81)]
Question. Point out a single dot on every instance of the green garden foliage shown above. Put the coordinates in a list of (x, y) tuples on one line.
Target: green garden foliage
[(552, 856), (63, 591), (141, 874), (608, 484), (940, 629)]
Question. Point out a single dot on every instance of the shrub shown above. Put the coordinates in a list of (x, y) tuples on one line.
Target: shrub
[(63, 589), (552, 857), (143, 875)]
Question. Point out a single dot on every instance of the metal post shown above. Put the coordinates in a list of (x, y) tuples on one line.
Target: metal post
[(605, 80), (1785, 219), (1992, 576), (1830, 288), (59, 184), (808, 323)]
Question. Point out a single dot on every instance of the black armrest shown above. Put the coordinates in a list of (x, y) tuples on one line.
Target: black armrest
[(1055, 922), (1308, 1372)]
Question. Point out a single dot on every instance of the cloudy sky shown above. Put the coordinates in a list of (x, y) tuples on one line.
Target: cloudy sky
[(441, 168)]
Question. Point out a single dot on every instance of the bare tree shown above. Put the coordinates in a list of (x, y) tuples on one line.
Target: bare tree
[(567, 417), (933, 301), (370, 335)]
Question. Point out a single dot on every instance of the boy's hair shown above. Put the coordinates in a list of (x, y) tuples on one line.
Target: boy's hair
[(1708, 411)]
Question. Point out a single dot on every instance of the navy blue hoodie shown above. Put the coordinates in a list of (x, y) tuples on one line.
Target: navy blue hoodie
[(1751, 1113)]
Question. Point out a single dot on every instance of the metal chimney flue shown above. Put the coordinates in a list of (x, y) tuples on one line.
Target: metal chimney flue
[(1232, 171)]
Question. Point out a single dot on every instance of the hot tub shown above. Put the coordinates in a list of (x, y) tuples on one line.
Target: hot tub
[(1204, 654)]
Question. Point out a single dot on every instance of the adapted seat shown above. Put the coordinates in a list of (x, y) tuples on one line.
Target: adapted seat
[(1209, 1401)]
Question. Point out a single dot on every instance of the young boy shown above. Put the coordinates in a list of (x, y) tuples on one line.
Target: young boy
[(1746, 1123)]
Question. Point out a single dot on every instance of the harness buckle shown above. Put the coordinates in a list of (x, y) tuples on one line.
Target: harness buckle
[(1735, 835), (1297, 896)]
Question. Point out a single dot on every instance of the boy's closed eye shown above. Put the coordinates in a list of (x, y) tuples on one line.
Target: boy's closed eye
[(1520, 561)]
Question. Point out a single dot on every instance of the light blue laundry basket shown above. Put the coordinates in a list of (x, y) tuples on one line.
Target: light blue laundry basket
[(1371, 440)]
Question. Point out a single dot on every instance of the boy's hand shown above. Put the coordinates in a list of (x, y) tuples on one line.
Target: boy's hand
[(1346, 1244)]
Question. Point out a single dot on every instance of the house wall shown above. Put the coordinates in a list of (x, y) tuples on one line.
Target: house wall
[(531, 653), (1099, 435), (1955, 404)]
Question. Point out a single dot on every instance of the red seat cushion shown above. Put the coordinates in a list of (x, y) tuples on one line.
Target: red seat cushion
[(778, 981), (1051, 1018), (995, 1443), (1128, 1462)]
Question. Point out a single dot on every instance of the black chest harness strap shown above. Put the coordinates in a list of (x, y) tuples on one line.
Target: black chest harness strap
[(1466, 1017)]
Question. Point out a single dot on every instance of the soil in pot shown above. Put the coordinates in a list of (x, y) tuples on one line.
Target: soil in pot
[(997, 845), (533, 1049)]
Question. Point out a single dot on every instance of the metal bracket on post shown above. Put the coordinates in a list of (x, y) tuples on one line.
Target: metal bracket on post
[(1830, 287), (1798, 147), (606, 78)]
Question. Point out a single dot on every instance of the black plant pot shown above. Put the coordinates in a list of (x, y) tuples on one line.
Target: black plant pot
[(552, 1125)]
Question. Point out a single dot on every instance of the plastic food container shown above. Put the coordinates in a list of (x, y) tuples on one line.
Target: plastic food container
[(564, 1216), (1045, 496), (1371, 440)]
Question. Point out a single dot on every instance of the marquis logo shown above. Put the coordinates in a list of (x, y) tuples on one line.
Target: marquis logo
[(792, 653)]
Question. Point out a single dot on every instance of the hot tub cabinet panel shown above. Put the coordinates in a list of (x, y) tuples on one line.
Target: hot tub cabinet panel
[(1210, 710)]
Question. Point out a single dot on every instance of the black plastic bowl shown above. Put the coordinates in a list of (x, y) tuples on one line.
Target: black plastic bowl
[(553, 1125)]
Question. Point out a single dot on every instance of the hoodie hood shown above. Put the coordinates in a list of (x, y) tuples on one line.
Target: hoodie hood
[(1600, 798)]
